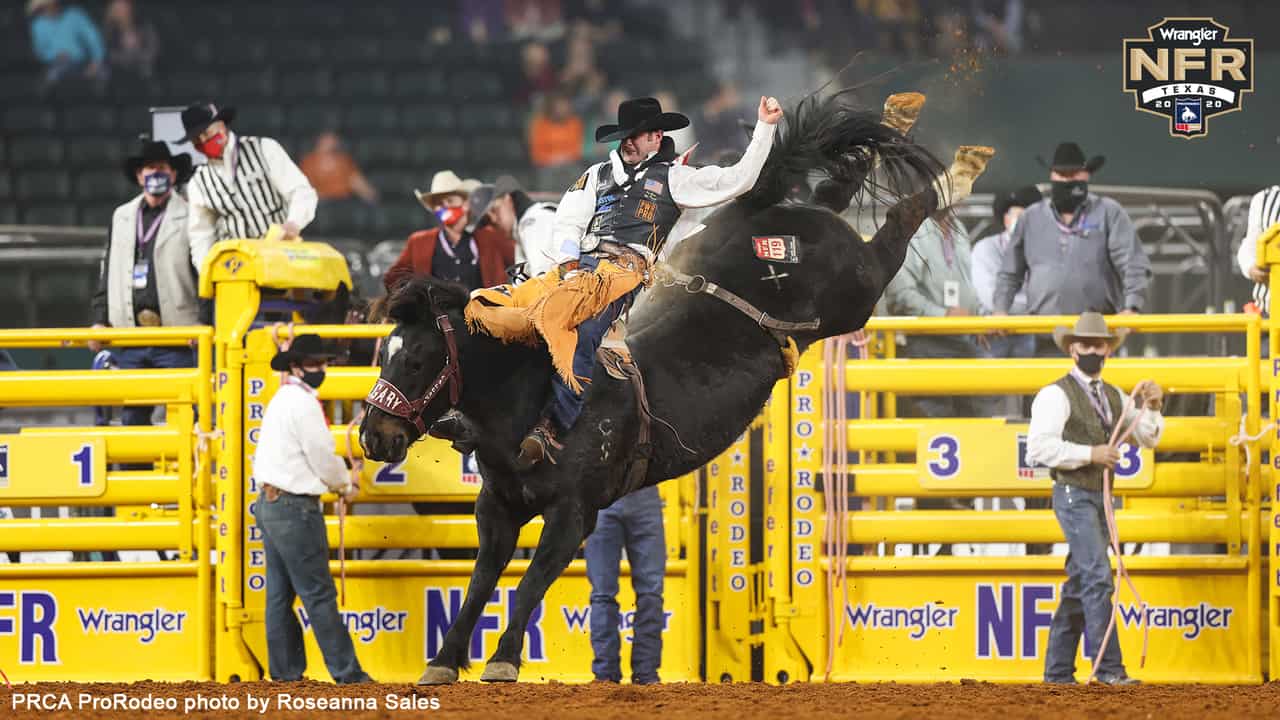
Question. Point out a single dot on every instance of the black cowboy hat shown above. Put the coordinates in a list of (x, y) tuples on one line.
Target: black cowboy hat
[(1023, 197), (157, 151), (1068, 157), (303, 348), (639, 115), (198, 116)]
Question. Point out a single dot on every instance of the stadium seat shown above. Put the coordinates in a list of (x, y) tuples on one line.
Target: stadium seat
[(194, 85), (260, 119), (251, 86), (6, 188), (43, 185), (98, 214), (306, 84), (371, 118), (314, 119), (473, 85), (80, 119), (30, 119), (16, 86), (420, 84), (104, 185), (437, 151), (94, 151), (38, 152), (398, 184), (50, 214), (382, 152), (8, 215), (429, 117), (364, 84), (498, 151), (494, 117)]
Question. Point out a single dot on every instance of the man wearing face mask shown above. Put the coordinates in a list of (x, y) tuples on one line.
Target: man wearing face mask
[(1074, 251), (248, 185), (1071, 425), (295, 464), (474, 257), (151, 267)]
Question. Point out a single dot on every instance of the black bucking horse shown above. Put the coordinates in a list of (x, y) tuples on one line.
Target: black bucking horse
[(708, 366)]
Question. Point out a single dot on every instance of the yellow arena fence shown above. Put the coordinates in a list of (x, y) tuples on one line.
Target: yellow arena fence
[(748, 569)]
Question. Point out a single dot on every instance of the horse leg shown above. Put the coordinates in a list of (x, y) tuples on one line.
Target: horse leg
[(900, 224), (498, 530), (562, 532)]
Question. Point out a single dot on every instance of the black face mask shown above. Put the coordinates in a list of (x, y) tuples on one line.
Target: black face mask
[(1090, 363), (1069, 195), (314, 379)]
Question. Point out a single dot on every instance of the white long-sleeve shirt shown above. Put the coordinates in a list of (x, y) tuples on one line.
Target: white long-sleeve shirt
[(299, 197), (535, 238), (1049, 413), (295, 451), (1264, 211), (690, 188)]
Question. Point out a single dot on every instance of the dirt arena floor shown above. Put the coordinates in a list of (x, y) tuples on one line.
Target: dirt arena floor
[(669, 702)]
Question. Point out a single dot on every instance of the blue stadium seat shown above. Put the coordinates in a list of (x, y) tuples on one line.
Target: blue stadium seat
[(30, 119), (36, 185), (36, 152)]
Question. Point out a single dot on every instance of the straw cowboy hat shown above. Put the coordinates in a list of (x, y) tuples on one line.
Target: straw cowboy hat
[(1090, 326), (445, 182)]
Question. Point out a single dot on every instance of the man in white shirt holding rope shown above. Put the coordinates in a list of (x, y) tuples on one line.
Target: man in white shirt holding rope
[(1074, 432)]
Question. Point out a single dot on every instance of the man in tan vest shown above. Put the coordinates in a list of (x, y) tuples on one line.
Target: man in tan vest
[(150, 269), (1071, 425)]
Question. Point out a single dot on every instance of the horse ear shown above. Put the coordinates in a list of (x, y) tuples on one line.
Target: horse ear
[(447, 296)]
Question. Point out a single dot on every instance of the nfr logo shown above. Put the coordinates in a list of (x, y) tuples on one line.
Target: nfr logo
[(440, 616), (36, 613), (1007, 613)]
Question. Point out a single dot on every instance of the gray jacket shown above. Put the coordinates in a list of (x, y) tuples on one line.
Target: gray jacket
[(919, 288), (174, 257), (1097, 264)]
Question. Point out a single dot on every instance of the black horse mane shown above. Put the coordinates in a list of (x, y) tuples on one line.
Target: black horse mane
[(830, 136), (423, 296)]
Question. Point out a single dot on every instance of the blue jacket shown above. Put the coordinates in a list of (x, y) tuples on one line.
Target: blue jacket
[(71, 32)]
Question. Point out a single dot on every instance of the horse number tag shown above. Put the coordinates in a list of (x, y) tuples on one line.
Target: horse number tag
[(777, 248)]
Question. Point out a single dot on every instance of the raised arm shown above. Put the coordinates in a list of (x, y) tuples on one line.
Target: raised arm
[(712, 185)]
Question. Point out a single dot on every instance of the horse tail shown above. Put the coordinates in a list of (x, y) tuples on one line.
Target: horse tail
[(850, 146)]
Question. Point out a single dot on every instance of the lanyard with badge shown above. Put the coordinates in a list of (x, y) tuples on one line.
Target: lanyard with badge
[(1100, 404), (141, 266), (950, 288)]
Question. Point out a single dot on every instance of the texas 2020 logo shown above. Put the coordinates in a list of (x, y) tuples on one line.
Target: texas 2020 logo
[(1187, 70)]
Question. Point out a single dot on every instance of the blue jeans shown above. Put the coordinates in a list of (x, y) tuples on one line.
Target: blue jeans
[(298, 566), (147, 358), (566, 405), (1085, 602), (634, 522)]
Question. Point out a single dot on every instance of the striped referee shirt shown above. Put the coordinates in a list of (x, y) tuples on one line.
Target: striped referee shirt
[(1264, 211), (252, 186)]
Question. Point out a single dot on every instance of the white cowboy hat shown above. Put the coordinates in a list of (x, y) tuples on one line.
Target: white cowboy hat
[(1090, 326), (35, 5), (445, 182)]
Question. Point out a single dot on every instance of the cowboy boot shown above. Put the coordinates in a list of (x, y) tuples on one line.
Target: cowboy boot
[(970, 162), (901, 110), (537, 445), (455, 427)]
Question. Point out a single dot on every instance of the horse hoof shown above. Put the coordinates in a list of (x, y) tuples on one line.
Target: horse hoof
[(500, 672), (438, 675), (902, 109)]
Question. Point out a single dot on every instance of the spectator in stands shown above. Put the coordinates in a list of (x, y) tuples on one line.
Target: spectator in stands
[(719, 126), (248, 185), (988, 255), (66, 41), (296, 464), (1071, 425), (1264, 211), (132, 46), (999, 24), (506, 206), (333, 172), (538, 75), (1074, 251), (482, 20), (452, 252), (150, 271), (633, 522), (555, 141), (580, 77), (540, 19), (935, 281)]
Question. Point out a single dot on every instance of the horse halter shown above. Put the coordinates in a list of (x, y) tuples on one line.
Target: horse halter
[(388, 398)]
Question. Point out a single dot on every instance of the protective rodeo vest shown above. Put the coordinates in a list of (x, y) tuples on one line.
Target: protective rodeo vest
[(1084, 427), (640, 213)]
